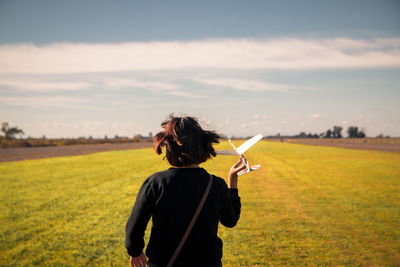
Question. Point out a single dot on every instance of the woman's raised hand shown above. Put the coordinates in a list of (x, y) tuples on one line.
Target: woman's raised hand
[(233, 173)]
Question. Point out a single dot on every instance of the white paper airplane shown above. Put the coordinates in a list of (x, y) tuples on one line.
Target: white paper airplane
[(239, 152)]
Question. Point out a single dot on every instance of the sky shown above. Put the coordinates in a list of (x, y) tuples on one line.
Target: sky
[(96, 68)]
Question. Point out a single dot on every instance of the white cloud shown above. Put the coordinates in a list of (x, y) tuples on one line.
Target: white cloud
[(133, 83), (251, 85), (160, 86), (240, 84), (64, 84), (37, 85), (281, 53), (185, 94), (46, 102), (316, 116)]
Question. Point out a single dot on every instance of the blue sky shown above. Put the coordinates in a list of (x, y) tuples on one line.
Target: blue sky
[(80, 68)]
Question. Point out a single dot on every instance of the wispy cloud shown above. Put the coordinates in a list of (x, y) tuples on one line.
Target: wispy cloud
[(160, 86), (251, 85), (134, 83), (46, 102), (42, 86), (281, 53), (316, 116), (185, 94), (107, 82)]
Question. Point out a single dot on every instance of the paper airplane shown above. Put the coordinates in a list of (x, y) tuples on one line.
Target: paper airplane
[(239, 152)]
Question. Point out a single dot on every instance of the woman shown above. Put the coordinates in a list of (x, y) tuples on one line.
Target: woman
[(171, 198)]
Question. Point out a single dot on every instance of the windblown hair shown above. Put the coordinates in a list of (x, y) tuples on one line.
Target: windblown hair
[(185, 142)]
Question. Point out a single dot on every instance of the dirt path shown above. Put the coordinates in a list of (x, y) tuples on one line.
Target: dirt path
[(23, 153)]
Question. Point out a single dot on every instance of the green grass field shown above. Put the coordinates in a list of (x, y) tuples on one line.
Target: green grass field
[(307, 205)]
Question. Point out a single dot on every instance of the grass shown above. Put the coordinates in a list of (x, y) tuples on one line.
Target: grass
[(366, 140), (307, 205)]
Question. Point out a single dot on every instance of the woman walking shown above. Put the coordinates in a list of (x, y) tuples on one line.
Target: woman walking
[(171, 198)]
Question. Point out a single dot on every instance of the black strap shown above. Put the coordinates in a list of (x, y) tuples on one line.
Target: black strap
[(178, 249)]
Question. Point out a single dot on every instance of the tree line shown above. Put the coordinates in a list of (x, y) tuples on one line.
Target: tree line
[(12, 137), (11, 133), (335, 132)]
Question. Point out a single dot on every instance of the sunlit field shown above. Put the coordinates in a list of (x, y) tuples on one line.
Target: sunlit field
[(307, 205)]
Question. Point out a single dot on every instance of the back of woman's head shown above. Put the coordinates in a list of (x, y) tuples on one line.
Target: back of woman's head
[(185, 142)]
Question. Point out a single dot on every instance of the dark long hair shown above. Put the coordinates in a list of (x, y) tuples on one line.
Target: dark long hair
[(185, 142)]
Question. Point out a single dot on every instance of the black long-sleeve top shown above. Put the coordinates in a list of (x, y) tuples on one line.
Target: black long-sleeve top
[(171, 198)]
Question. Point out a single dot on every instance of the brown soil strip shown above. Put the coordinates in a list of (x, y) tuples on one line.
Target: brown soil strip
[(24, 153), (367, 146)]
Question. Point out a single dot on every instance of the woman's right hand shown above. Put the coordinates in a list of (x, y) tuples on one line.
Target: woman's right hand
[(140, 261), (233, 173)]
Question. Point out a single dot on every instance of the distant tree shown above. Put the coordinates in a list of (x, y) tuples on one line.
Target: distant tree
[(361, 134), (337, 132), (137, 138), (302, 135), (353, 132), (10, 133), (328, 134)]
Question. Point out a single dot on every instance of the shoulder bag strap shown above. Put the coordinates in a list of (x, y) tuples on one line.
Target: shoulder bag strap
[(178, 249)]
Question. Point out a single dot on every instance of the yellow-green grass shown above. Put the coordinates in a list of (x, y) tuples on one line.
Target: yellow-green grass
[(307, 205), (367, 140)]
